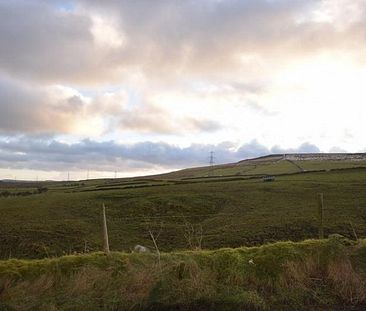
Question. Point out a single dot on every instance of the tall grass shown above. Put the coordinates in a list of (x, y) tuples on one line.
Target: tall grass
[(297, 275)]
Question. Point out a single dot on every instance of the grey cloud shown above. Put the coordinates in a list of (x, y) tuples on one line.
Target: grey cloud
[(162, 123), (145, 118), (207, 35), (163, 39), (152, 119), (40, 41), (203, 125), (49, 154), (252, 149), (37, 110), (31, 109)]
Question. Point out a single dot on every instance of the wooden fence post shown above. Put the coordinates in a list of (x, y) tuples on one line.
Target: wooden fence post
[(105, 232), (321, 215)]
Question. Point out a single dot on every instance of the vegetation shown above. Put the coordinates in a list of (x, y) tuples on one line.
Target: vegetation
[(202, 210), (7, 193), (221, 211), (281, 276)]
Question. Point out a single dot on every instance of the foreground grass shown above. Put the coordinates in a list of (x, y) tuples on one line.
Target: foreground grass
[(285, 275)]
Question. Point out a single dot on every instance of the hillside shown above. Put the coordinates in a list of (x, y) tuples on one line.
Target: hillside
[(311, 275), (230, 208), (276, 164)]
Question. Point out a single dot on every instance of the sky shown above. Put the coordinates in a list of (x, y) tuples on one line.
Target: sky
[(91, 88)]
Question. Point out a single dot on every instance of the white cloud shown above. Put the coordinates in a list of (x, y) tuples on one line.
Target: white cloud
[(106, 34), (189, 72)]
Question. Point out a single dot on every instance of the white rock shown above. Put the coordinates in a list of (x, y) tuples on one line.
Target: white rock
[(140, 249)]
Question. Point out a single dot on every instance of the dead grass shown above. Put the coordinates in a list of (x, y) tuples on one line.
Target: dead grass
[(301, 274), (192, 282), (137, 285), (85, 280), (347, 282), (25, 294), (4, 286)]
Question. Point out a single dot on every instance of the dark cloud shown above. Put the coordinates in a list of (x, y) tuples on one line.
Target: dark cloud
[(252, 149), (48, 154)]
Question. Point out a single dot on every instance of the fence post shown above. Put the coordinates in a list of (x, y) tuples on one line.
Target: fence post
[(321, 215), (105, 232), (353, 230)]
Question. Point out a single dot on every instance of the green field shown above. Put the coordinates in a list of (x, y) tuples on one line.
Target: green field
[(231, 207)]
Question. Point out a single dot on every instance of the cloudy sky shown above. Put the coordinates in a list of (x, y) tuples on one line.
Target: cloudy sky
[(144, 86)]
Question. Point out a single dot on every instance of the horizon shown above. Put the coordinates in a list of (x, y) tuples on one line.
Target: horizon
[(106, 175), (102, 92)]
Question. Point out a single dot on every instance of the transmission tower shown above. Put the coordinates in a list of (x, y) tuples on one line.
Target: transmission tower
[(212, 162)]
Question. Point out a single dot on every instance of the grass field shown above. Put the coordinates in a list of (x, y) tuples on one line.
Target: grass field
[(231, 210), (311, 275)]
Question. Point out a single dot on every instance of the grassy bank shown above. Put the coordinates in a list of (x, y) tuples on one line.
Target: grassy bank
[(305, 275)]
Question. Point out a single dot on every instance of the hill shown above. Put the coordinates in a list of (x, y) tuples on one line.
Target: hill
[(275, 164), (230, 208)]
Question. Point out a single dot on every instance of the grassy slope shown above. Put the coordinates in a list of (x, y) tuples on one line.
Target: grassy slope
[(273, 164), (281, 276), (231, 213)]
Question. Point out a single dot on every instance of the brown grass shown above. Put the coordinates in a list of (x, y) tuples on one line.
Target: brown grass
[(137, 284), (5, 284), (86, 279), (121, 282), (24, 295), (194, 282), (301, 274), (346, 281)]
